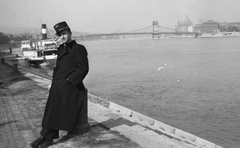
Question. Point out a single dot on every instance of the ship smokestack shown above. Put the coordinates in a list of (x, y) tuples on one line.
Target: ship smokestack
[(44, 31)]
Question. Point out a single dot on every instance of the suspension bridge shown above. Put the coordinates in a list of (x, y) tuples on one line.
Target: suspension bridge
[(153, 30)]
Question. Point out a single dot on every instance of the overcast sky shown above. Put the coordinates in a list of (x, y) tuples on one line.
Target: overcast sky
[(106, 16)]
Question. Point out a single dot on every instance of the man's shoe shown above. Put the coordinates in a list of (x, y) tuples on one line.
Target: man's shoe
[(46, 144), (37, 142)]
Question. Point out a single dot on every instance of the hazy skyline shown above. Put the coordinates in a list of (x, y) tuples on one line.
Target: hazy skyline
[(106, 16)]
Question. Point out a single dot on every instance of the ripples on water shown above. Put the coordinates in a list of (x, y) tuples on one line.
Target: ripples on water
[(191, 84)]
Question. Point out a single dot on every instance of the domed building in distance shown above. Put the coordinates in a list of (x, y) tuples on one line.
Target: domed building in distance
[(184, 26)]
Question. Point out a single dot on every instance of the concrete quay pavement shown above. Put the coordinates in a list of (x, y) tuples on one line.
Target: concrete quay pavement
[(22, 100)]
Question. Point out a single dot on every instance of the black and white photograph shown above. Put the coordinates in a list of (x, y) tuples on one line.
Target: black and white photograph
[(119, 74)]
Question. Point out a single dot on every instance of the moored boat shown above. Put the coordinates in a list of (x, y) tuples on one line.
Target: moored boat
[(44, 57), (38, 52)]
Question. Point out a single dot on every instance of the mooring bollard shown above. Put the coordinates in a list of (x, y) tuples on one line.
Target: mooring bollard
[(2, 60), (10, 50), (15, 66)]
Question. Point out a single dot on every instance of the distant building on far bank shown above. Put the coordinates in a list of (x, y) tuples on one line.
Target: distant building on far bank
[(209, 26), (187, 25), (198, 28), (229, 27), (184, 26)]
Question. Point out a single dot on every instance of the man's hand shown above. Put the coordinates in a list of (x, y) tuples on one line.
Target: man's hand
[(58, 39)]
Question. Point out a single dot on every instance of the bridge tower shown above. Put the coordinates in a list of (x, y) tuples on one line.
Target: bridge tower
[(155, 34)]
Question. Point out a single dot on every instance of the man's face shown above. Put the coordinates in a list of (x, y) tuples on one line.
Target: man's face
[(65, 36)]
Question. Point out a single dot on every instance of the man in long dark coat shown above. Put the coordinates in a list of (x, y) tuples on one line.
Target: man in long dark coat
[(66, 107)]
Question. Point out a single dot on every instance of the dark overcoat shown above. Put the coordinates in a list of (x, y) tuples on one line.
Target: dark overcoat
[(66, 94)]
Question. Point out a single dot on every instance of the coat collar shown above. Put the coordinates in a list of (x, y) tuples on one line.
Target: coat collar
[(62, 50), (70, 44)]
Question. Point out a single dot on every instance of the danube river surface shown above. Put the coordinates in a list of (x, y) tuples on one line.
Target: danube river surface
[(190, 83)]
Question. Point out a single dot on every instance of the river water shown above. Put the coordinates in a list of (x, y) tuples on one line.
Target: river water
[(190, 83)]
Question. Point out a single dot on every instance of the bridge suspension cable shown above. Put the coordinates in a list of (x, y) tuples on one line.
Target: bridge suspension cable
[(149, 27), (166, 28), (140, 29)]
